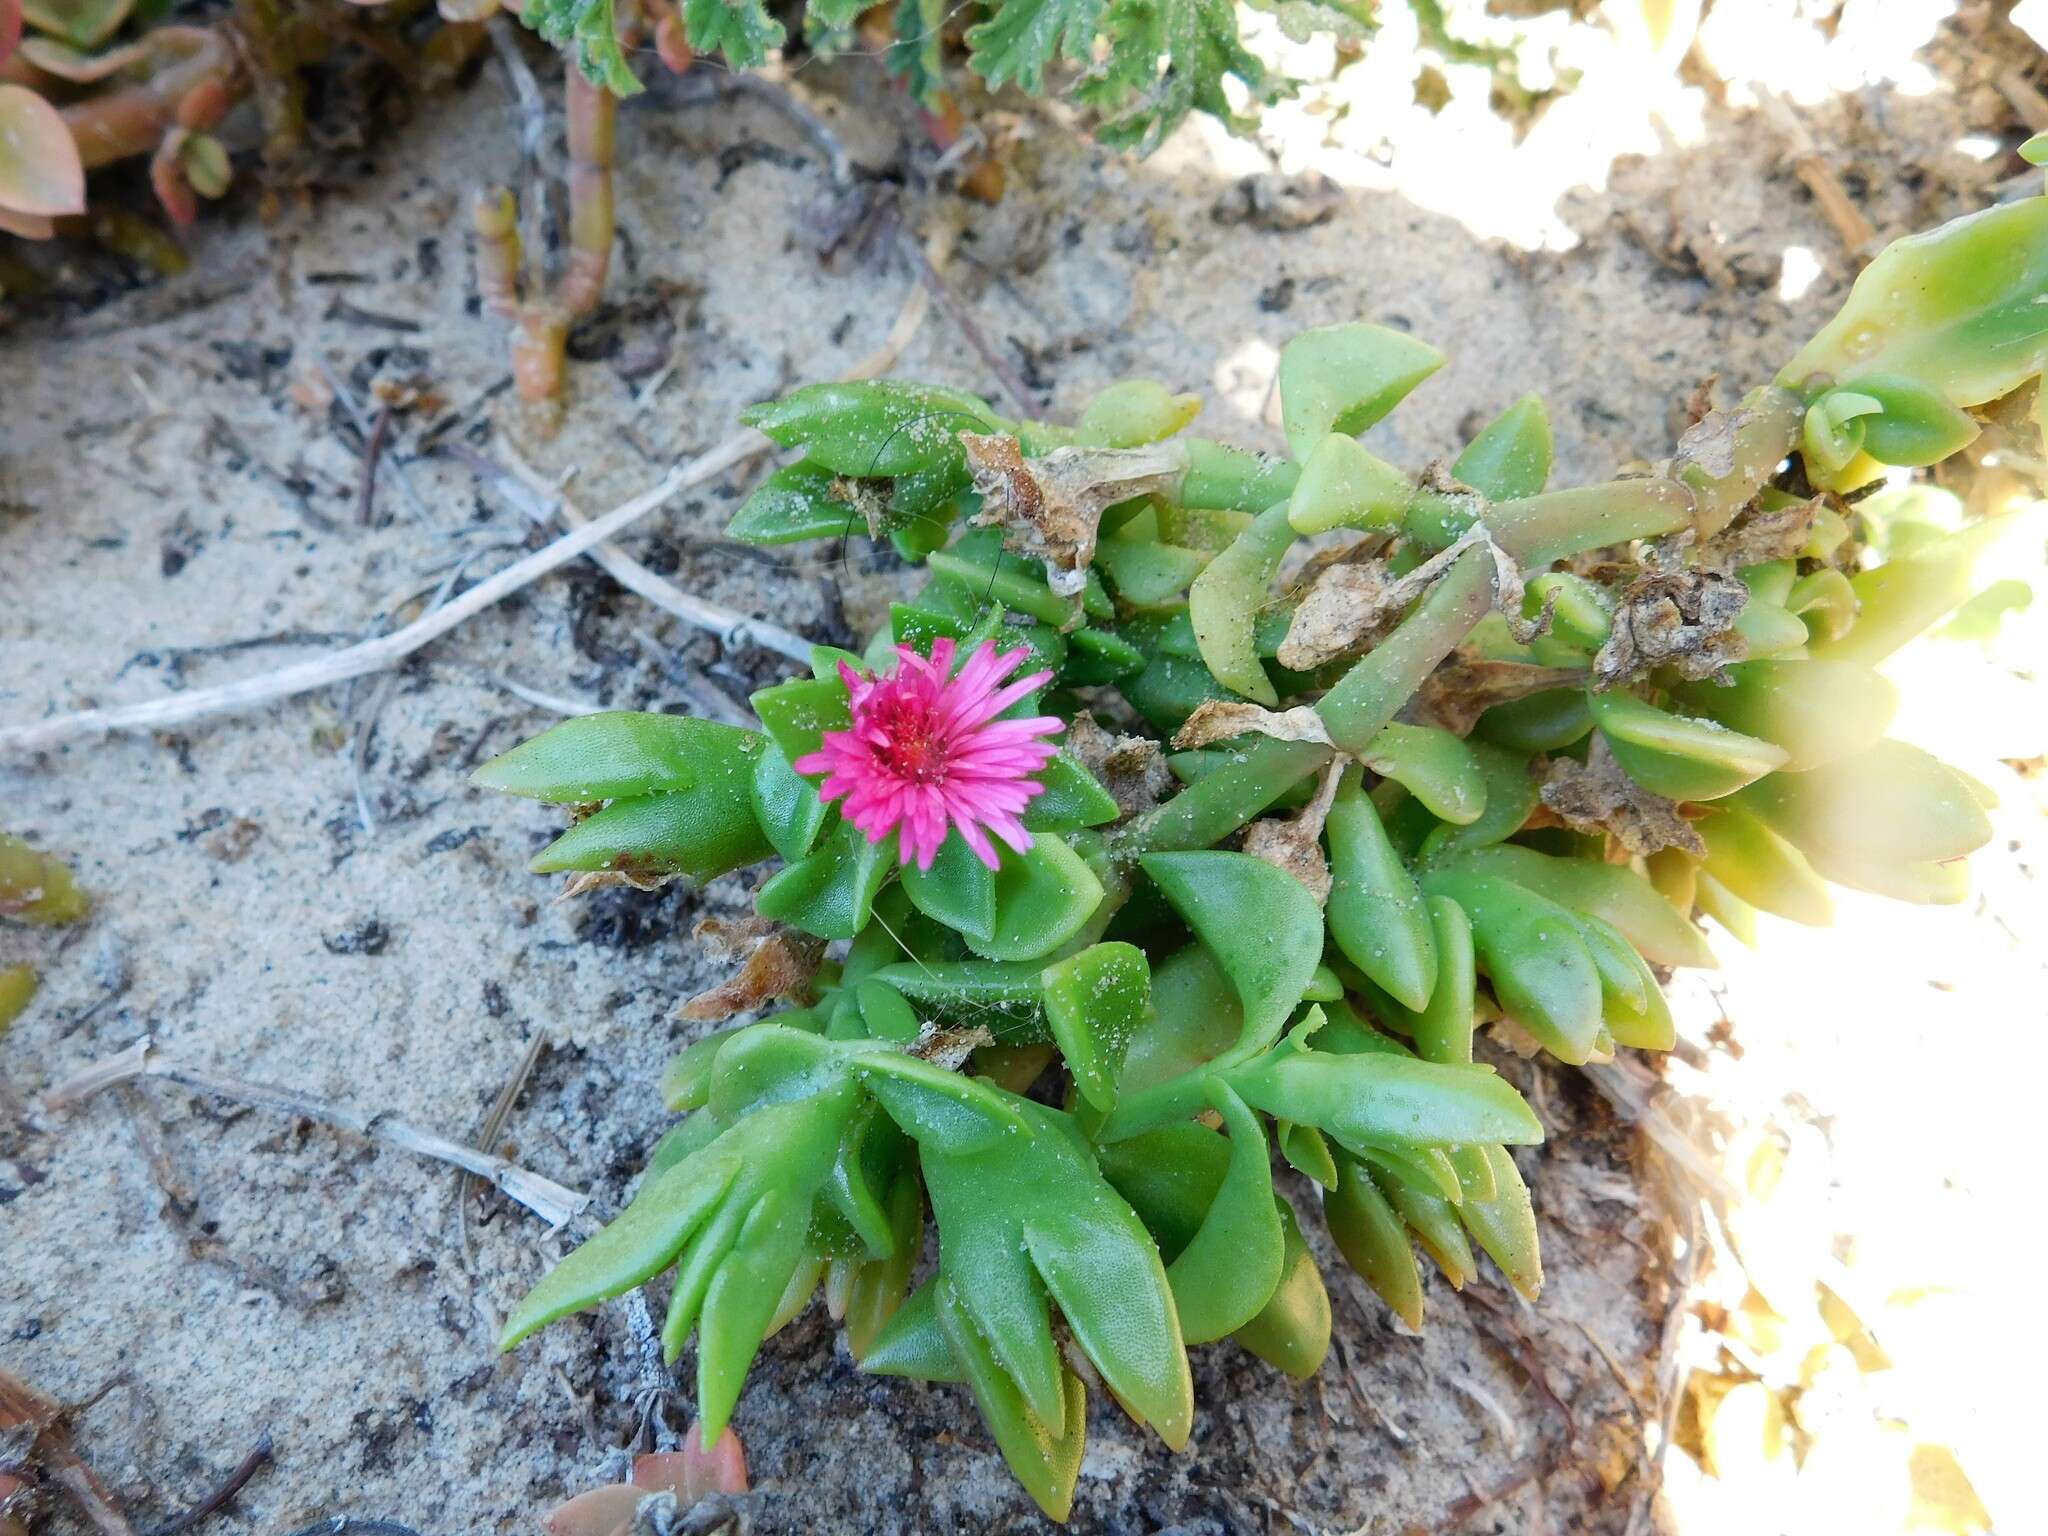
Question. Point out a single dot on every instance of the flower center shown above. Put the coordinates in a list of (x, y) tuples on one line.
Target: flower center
[(913, 748)]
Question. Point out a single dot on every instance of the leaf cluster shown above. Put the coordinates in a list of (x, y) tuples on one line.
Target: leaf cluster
[(1490, 774)]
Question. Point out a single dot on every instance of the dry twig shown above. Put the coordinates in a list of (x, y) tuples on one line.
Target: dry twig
[(385, 650), (228, 1487), (554, 1203)]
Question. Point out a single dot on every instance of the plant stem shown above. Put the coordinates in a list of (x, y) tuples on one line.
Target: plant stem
[(131, 121), (1219, 803), (1368, 696), (1223, 479), (592, 113)]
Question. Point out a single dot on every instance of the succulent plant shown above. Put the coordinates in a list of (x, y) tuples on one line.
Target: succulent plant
[(1482, 757)]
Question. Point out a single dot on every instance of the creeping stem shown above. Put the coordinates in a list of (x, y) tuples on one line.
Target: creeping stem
[(541, 319), (1367, 696)]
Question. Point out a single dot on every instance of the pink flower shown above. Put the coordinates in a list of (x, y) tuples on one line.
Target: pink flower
[(926, 752)]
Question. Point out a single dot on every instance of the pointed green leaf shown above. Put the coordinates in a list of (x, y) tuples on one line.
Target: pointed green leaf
[(1343, 378), (797, 503), (786, 807), (1342, 485), (1434, 766), (1679, 757), (1042, 899), (620, 753), (958, 890), (797, 714), (1374, 1241), (1617, 894), (1229, 1270), (1374, 1098), (1529, 947), (1269, 963), (1044, 1452), (831, 892), (1095, 1002), (698, 833), (1504, 1224), (1375, 912), (1227, 597)]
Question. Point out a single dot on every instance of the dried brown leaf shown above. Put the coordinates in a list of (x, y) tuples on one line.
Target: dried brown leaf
[(1758, 535), (1220, 719), (1700, 403), (1131, 768), (1465, 687), (1345, 608), (1050, 508), (1684, 619), (780, 962), (1597, 797), (949, 1047), (583, 882), (1710, 444), (1294, 844), (870, 498)]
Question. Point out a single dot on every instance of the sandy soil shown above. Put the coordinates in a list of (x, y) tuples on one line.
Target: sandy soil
[(169, 517)]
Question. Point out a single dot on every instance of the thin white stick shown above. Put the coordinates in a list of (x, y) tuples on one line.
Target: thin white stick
[(551, 1202), (385, 650), (732, 629)]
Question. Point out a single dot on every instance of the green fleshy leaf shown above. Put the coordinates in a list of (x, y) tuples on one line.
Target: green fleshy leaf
[(958, 890), (831, 892), (619, 753), (1095, 1002), (1343, 378), (1042, 899), (793, 504)]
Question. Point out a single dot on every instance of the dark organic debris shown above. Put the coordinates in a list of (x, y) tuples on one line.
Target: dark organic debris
[(369, 936), (1467, 686), (779, 962), (1277, 203), (1049, 508), (1597, 797), (1683, 619), (1132, 768)]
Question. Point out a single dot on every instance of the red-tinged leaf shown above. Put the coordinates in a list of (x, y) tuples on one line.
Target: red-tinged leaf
[(40, 172), (694, 1473), (604, 1511)]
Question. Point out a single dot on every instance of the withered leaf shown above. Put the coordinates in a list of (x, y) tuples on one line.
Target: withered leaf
[(949, 1047), (1345, 608), (870, 498), (1050, 508), (1466, 686), (1684, 619), (1350, 602), (1294, 844), (586, 881), (1597, 797), (1758, 535), (1217, 720), (1131, 768), (1709, 443), (1701, 401), (780, 962)]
